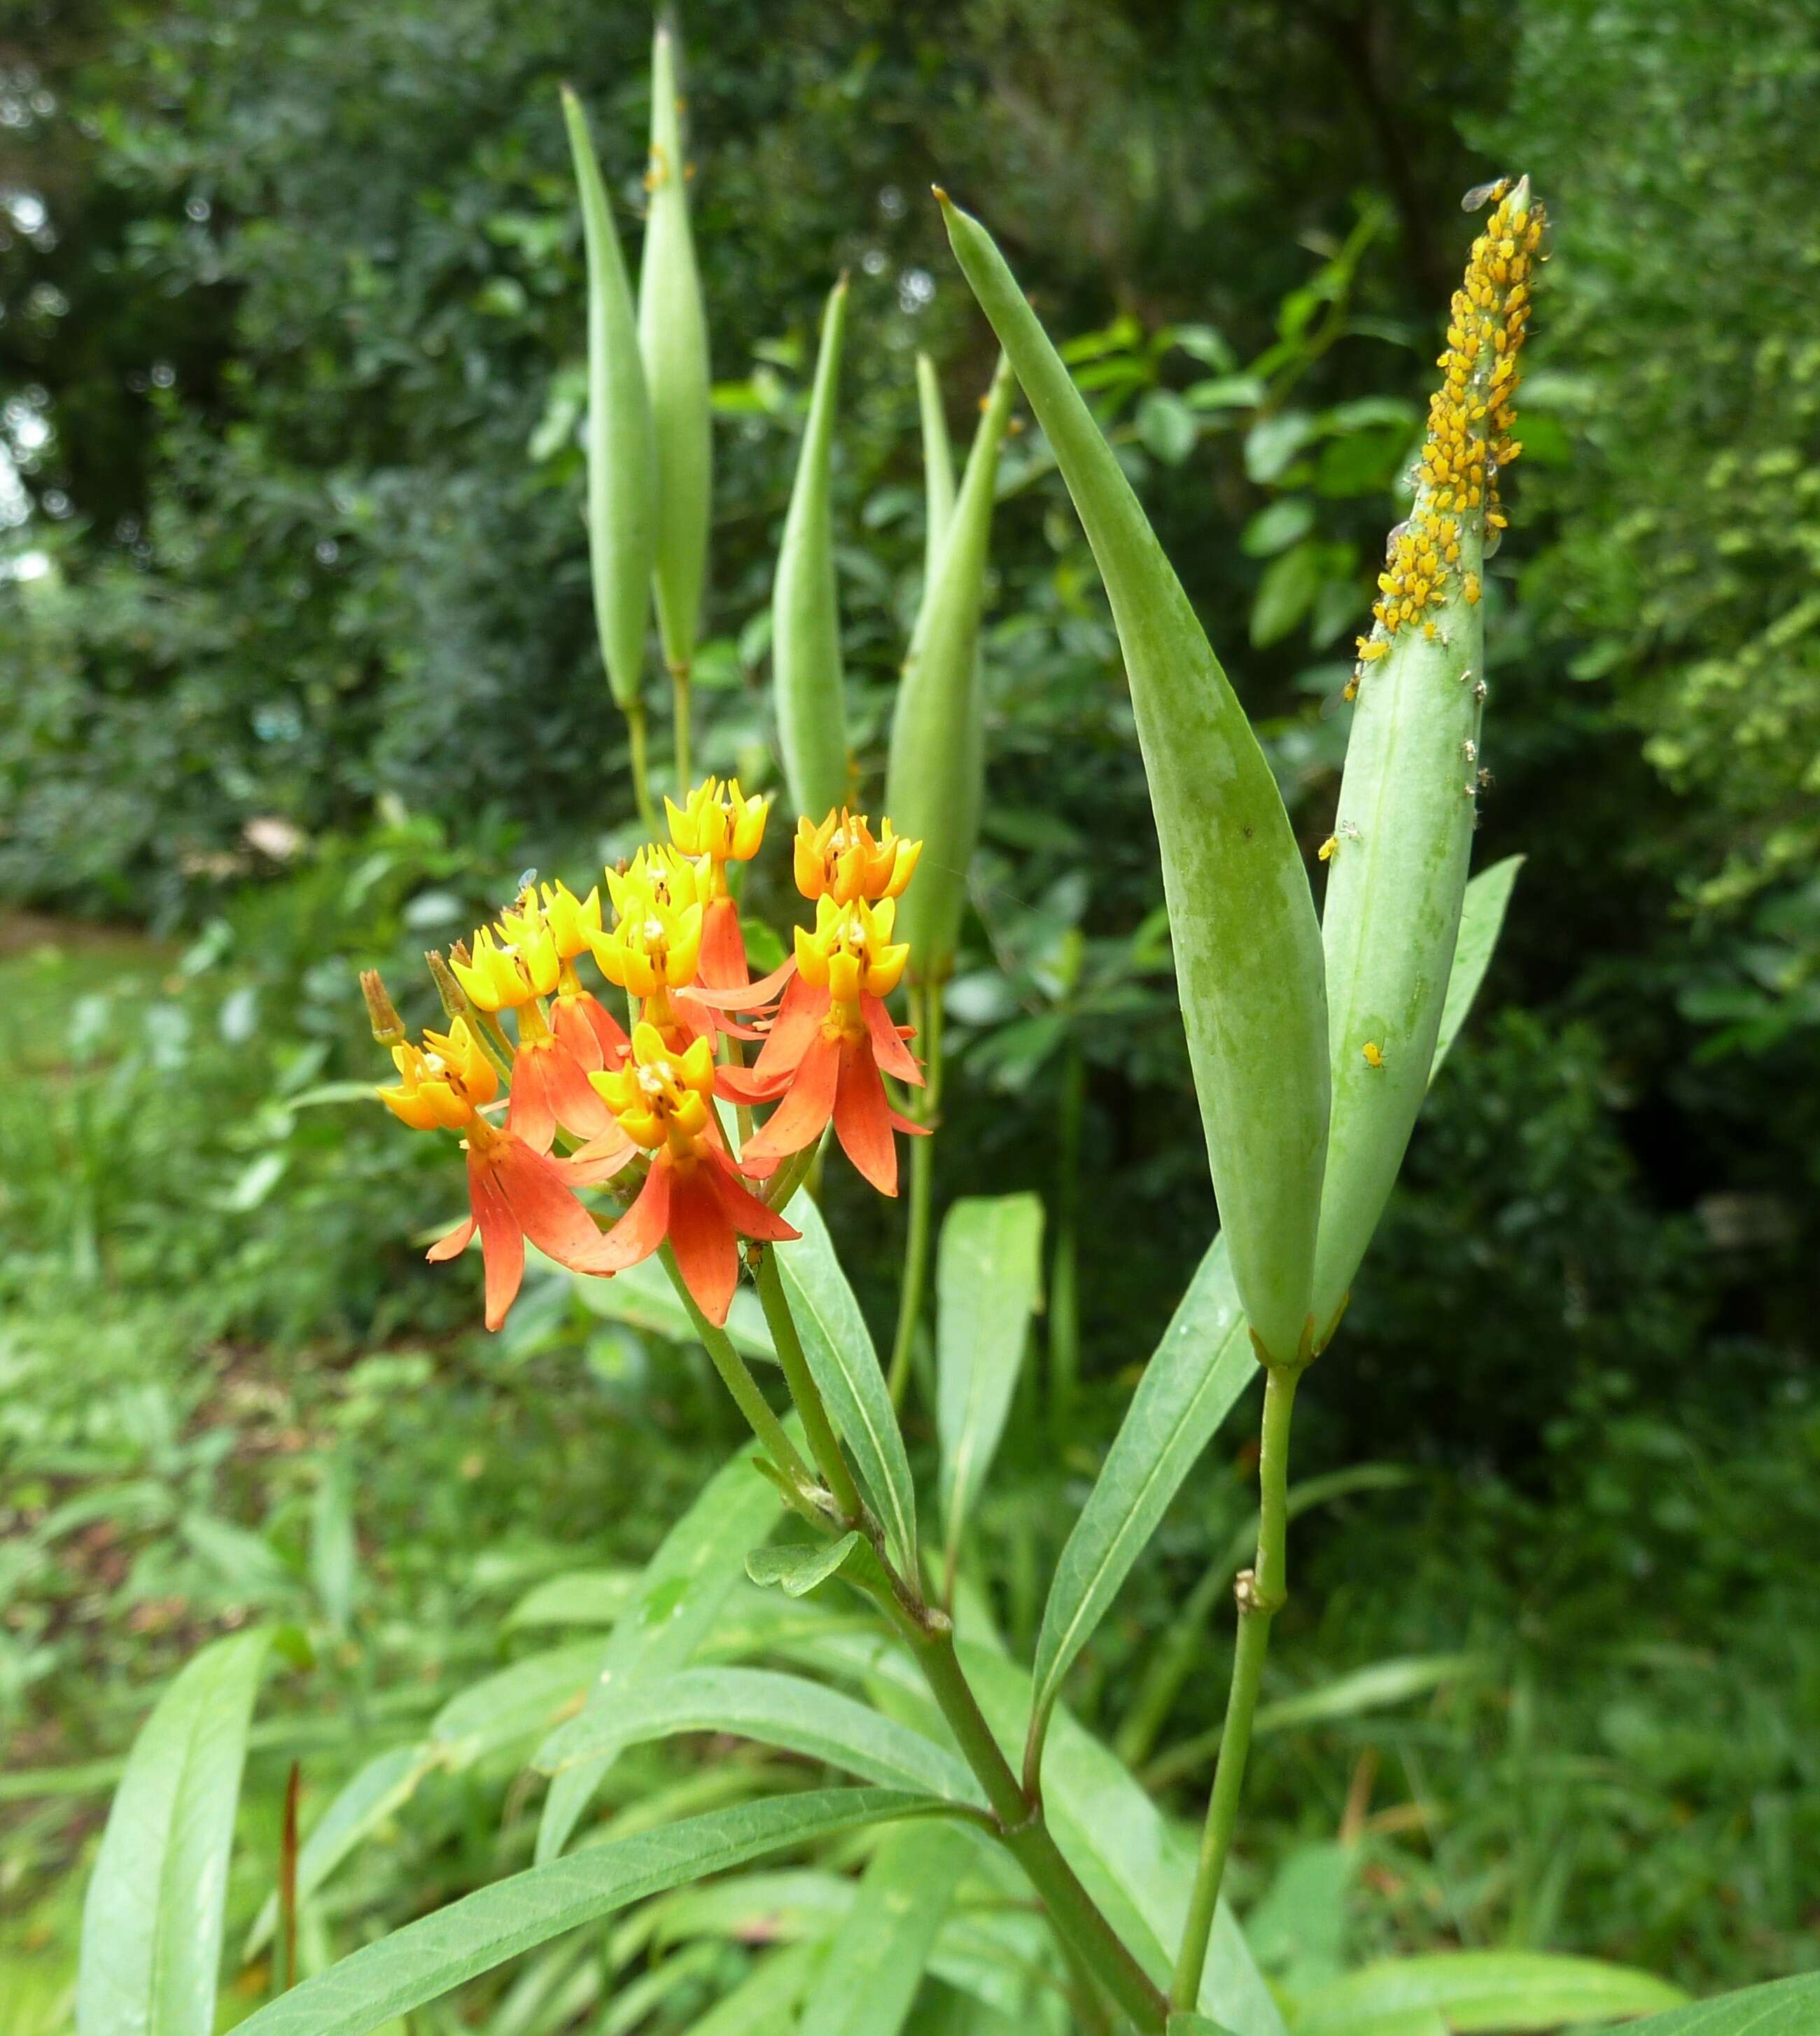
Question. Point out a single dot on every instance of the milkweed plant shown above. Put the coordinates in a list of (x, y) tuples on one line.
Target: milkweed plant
[(629, 1100)]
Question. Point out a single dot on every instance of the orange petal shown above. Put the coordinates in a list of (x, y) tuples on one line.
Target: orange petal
[(747, 1085), (722, 965), (763, 991), (702, 1237), (578, 1105), (454, 1245), (597, 1161), (546, 1210), (806, 1109), (793, 1029), (748, 1214), (900, 1122), (863, 1118), (888, 1048), (531, 1115), (640, 1231), (589, 1031), (501, 1241)]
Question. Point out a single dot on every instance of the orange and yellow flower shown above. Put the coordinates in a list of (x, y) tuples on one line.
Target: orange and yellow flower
[(718, 825), (515, 1192), (693, 1196), (832, 1042), (676, 947), (841, 860)]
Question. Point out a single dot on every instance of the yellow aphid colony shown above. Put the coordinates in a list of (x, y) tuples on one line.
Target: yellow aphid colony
[(1470, 420)]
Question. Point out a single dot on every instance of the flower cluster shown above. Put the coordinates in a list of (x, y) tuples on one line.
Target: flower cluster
[(633, 1105)]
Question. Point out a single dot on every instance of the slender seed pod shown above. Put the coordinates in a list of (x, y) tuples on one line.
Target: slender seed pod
[(1407, 800), (935, 781), (673, 338), (622, 447), (805, 608), (1247, 946), (937, 465)]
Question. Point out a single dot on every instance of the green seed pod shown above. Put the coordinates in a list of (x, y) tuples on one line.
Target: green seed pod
[(1247, 947), (622, 447), (673, 338), (1407, 802), (937, 465), (937, 777), (806, 608)]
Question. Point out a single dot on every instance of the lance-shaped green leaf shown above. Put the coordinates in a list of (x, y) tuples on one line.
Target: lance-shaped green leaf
[(876, 1959), (1785, 2007), (423, 1960), (936, 779), (1197, 1371), (1481, 920), (685, 1584), (1247, 949), (987, 1275), (788, 1711), (622, 442), (805, 609), (1509, 1992), (937, 466), (841, 1357), (673, 339), (1408, 799), (152, 1924)]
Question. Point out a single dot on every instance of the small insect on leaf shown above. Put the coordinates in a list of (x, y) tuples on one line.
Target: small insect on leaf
[(1373, 1052)]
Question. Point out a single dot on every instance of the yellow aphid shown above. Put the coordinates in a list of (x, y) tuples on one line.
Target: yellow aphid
[(1325, 852), (1473, 589), (442, 1082), (1373, 1054), (1470, 416)]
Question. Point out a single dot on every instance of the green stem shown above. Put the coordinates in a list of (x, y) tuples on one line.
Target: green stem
[(1022, 1829), (736, 1376), (824, 1446), (679, 698), (1261, 1593), (641, 768), (925, 1015)]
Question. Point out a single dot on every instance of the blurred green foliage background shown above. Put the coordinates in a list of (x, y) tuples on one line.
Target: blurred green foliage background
[(297, 672)]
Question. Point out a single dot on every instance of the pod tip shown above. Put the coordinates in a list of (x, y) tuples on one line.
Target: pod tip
[(941, 197)]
